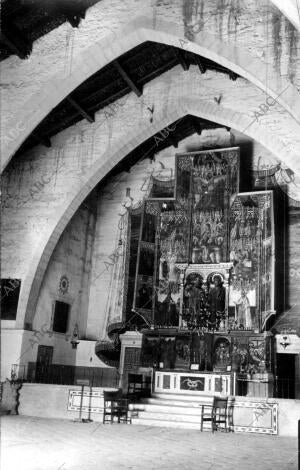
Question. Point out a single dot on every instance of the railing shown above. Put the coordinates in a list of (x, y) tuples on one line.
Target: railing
[(65, 374)]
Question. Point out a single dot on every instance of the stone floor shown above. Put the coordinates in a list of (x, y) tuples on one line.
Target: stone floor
[(50, 444)]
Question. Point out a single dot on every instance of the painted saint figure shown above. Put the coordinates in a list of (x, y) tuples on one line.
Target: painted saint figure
[(243, 311), (195, 300), (216, 300)]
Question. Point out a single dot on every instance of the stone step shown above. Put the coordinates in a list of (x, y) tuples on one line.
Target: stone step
[(166, 408), (170, 410), (175, 402), (165, 423), (183, 397), (187, 418)]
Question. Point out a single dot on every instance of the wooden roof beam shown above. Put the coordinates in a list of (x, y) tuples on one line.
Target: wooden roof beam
[(72, 13), (89, 117), (184, 62), (17, 43), (75, 19), (127, 79), (44, 140), (173, 140), (200, 64), (232, 75), (196, 125)]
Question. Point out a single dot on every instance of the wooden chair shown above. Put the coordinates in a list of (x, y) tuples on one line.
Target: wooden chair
[(123, 404), (135, 384), (138, 386), (115, 406), (216, 414)]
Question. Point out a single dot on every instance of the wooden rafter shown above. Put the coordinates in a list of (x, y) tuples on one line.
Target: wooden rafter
[(196, 125), (127, 79), (173, 139), (184, 62), (94, 98), (16, 42), (89, 117), (200, 64), (72, 12), (74, 19), (44, 140)]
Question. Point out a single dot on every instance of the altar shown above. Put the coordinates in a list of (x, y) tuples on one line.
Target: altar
[(194, 383)]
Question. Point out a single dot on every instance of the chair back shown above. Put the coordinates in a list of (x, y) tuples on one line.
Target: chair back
[(136, 379), (135, 383), (220, 403), (112, 395)]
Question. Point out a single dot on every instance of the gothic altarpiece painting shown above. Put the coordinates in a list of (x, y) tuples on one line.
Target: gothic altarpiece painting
[(200, 259)]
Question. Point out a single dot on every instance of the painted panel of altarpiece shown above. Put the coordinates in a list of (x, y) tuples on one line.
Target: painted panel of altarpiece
[(144, 296), (251, 291), (209, 180)]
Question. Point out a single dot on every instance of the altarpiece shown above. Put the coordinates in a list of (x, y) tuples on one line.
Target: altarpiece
[(200, 268)]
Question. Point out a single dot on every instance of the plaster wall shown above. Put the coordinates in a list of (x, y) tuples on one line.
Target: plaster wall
[(11, 346), (72, 259), (35, 397)]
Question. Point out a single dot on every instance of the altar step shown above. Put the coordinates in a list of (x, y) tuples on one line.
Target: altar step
[(182, 399), (170, 411), (165, 423)]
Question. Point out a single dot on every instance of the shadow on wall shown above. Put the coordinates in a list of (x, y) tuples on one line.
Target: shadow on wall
[(283, 248)]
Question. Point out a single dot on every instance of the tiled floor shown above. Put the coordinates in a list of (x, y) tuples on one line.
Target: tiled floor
[(40, 444)]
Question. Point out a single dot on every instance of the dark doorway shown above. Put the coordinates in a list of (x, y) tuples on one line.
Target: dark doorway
[(285, 378), (61, 316), (43, 363)]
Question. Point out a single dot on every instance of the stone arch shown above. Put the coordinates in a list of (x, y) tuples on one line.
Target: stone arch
[(184, 105), (136, 32), (290, 10)]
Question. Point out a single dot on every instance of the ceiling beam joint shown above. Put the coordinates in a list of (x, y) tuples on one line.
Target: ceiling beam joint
[(232, 75), (184, 62), (127, 79), (44, 140), (173, 140), (89, 117), (196, 125), (200, 64)]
